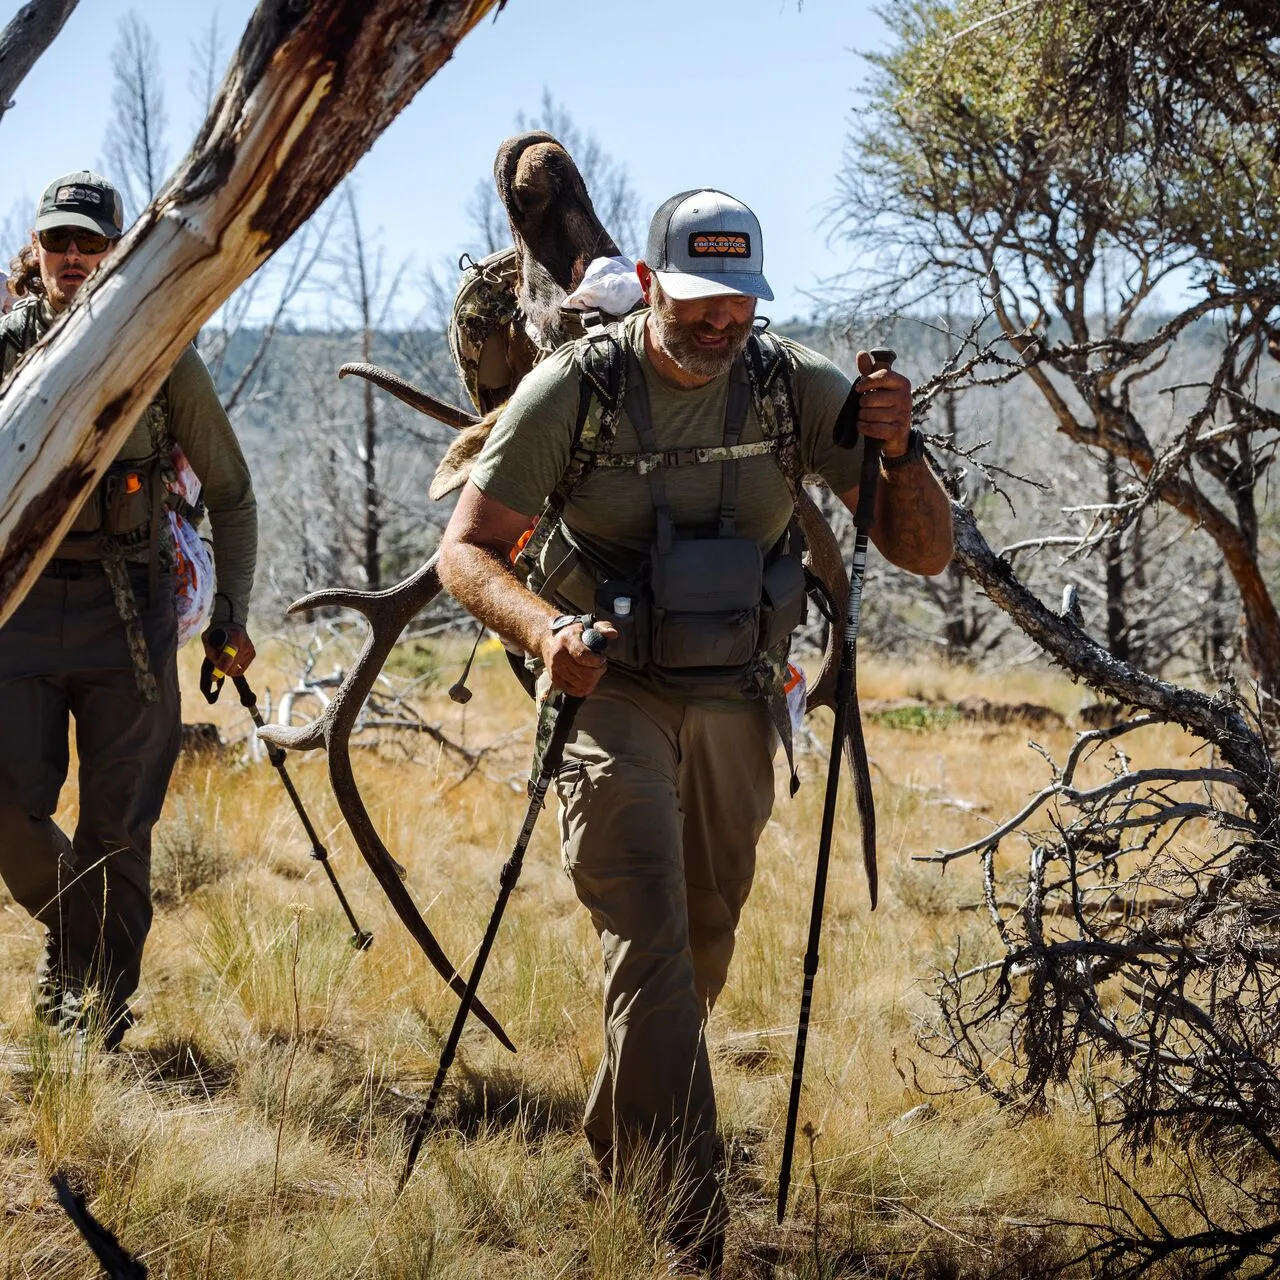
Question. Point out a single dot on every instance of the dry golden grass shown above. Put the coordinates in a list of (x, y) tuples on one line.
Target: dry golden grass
[(253, 1126)]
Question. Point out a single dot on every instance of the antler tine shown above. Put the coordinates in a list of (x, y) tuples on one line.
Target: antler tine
[(337, 597), (307, 737), (383, 608), (413, 396), (388, 612)]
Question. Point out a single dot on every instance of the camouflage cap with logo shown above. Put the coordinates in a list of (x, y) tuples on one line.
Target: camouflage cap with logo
[(702, 243), (81, 199)]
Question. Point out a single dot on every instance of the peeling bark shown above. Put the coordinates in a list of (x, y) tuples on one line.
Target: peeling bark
[(310, 89)]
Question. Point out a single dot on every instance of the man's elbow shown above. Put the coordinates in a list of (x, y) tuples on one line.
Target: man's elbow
[(448, 559)]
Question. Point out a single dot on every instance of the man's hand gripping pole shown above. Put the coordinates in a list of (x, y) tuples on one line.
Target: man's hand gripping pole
[(847, 734), (211, 681), (565, 709)]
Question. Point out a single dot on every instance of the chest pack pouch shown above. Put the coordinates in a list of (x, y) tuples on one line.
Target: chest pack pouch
[(121, 506), (704, 607)]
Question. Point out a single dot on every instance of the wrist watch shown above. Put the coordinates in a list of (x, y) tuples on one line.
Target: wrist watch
[(568, 620), (915, 451)]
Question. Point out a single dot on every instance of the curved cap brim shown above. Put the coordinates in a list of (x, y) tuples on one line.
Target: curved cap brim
[(67, 218), (684, 285)]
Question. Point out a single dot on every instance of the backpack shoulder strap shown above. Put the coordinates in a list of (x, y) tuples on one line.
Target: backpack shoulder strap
[(602, 384), (18, 334), (769, 372)]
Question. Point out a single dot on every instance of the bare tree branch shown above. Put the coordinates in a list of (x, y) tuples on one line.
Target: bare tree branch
[(27, 36)]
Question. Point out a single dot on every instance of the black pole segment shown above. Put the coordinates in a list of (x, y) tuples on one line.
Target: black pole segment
[(864, 518), (211, 681), (361, 939), (567, 710)]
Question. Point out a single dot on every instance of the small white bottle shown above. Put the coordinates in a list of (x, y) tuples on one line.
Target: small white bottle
[(621, 606)]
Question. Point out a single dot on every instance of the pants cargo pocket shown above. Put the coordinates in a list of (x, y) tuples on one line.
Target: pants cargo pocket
[(571, 784)]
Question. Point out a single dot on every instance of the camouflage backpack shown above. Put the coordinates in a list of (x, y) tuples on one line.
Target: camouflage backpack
[(483, 309)]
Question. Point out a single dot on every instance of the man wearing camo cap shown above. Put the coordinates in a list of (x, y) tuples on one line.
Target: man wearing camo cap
[(660, 458), (95, 639)]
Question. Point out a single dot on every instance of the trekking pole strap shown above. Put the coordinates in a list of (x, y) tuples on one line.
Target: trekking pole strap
[(211, 676)]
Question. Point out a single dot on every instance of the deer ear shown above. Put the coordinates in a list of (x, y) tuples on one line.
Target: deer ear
[(456, 464)]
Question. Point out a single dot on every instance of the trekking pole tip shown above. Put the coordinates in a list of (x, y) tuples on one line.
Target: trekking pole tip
[(362, 939)]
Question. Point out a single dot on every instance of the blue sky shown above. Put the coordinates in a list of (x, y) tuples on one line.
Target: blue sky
[(761, 109)]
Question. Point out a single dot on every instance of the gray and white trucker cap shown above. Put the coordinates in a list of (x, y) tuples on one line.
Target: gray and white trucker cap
[(702, 243)]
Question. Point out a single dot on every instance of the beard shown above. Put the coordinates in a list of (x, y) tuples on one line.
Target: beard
[(679, 340), (58, 297)]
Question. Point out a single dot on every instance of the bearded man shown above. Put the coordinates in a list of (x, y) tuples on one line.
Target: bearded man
[(677, 536), (96, 639)]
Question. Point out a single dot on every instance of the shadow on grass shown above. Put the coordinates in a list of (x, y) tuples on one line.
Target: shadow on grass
[(486, 1102), (183, 1064), (1004, 1253)]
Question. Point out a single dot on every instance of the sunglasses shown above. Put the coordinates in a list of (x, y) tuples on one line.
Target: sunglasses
[(59, 239)]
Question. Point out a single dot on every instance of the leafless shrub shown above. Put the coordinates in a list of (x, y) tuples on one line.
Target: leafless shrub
[(1136, 948)]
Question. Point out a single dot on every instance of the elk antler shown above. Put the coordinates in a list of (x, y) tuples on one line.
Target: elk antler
[(826, 563), (388, 613), (413, 396)]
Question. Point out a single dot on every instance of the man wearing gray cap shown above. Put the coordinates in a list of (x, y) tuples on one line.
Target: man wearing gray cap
[(96, 639), (660, 459)]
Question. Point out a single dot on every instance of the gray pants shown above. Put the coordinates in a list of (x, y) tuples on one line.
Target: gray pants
[(663, 803), (64, 653)]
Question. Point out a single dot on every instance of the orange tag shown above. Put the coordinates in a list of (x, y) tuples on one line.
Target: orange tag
[(132, 482), (521, 542)]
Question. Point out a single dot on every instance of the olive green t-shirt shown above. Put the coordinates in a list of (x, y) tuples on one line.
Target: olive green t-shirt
[(611, 514)]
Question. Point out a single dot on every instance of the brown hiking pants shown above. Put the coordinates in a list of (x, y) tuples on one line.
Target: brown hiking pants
[(662, 804), (64, 653)]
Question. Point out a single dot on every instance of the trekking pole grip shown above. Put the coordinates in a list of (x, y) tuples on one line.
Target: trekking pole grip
[(211, 678), (865, 516)]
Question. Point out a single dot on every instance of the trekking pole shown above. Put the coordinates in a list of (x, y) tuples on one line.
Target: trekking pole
[(211, 679), (551, 759), (863, 519)]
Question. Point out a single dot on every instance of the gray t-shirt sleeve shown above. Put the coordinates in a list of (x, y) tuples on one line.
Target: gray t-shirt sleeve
[(199, 424), (531, 443), (820, 390)]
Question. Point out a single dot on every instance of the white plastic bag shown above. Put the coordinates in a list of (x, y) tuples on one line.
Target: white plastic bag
[(797, 690), (193, 568), (608, 284)]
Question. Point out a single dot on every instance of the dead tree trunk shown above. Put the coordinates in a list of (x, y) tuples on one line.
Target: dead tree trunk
[(312, 85), (26, 37)]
